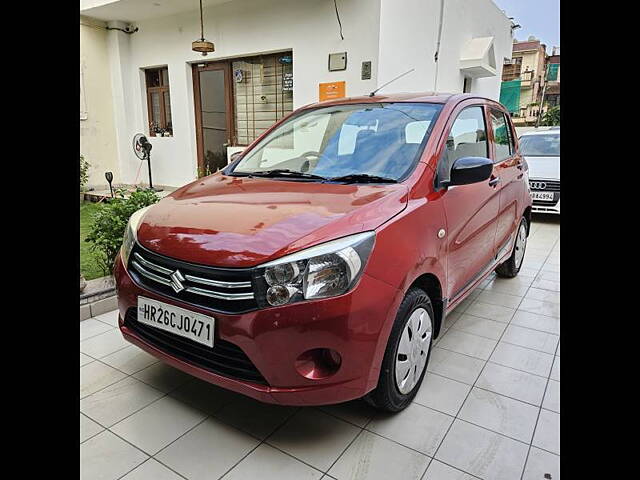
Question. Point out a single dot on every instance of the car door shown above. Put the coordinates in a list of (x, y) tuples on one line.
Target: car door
[(508, 168), (471, 210)]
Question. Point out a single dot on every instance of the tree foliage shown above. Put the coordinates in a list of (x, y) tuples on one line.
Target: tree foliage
[(551, 117)]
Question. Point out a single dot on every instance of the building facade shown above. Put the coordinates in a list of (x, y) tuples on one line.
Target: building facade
[(552, 92), (523, 77), (272, 56)]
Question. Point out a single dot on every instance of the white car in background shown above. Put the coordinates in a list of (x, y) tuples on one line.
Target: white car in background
[(541, 150)]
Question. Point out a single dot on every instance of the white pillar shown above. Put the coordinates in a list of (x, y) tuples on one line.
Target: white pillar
[(119, 52)]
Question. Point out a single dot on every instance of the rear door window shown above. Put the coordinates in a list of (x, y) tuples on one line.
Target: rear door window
[(501, 135)]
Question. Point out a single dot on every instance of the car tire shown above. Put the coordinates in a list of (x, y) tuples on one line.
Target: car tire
[(405, 349), (512, 265)]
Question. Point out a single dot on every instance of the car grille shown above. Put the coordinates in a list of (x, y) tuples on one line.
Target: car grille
[(224, 358), (225, 290), (544, 185), (546, 203)]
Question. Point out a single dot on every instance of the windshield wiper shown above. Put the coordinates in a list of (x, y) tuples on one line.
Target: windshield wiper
[(281, 172), (362, 178)]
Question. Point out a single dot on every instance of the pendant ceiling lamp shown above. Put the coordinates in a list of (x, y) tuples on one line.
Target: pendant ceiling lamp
[(202, 45)]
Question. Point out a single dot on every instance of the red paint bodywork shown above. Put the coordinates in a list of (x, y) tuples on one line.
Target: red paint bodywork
[(242, 222)]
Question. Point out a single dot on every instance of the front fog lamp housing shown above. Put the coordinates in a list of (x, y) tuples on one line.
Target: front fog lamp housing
[(131, 234), (323, 271)]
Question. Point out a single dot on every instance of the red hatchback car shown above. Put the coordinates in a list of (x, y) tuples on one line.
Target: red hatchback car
[(320, 264)]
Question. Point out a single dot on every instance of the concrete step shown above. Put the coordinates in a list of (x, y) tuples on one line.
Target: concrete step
[(99, 296)]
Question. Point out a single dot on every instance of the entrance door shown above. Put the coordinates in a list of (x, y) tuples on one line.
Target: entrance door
[(214, 115)]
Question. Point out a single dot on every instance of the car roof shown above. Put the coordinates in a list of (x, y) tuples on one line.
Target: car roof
[(546, 131), (415, 97)]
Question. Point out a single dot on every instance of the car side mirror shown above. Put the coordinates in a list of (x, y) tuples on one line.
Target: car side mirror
[(234, 157), (468, 170)]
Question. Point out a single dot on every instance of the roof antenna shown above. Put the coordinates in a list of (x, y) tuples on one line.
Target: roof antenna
[(390, 81)]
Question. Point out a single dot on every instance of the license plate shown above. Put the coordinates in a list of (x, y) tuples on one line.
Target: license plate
[(176, 320), (542, 195)]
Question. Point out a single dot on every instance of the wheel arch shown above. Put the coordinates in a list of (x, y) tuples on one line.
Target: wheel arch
[(431, 284), (527, 215)]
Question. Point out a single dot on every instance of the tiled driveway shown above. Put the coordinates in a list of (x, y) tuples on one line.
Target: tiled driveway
[(488, 408)]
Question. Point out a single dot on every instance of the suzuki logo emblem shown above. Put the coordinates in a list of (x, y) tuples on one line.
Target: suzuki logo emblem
[(176, 281)]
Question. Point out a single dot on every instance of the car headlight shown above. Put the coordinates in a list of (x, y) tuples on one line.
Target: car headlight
[(131, 234), (322, 271)]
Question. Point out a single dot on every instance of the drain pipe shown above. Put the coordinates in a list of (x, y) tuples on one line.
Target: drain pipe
[(121, 26), (435, 57)]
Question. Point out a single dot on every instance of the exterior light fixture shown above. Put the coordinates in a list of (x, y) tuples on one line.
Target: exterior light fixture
[(202, 45), (109, 177)]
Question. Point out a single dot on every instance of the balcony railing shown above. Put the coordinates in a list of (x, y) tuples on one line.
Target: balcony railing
[(525, 77)]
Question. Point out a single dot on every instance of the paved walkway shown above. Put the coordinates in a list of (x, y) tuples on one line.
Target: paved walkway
[(488, 408)]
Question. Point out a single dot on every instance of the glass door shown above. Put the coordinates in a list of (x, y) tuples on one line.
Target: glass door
[(214, 115)]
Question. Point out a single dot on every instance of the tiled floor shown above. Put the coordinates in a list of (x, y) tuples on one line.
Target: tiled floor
[(488, 408)]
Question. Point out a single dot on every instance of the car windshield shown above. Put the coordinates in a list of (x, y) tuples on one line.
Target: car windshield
[(359, 141), (547, 145)]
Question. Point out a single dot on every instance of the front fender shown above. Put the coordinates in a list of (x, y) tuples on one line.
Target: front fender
[(407, 247)]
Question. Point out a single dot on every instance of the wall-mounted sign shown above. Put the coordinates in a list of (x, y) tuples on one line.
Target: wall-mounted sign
[(332, 90), (337, 61), (286, 60), (366, 71), (287, 82), (238, 75)]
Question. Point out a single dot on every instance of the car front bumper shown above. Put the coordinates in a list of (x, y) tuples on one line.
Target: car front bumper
[(356, 325), (537, 208)]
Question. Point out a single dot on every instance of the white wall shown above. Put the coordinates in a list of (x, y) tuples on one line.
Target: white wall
[(238, 28), (408, 35), (408, 38), (394, 35), (97, 131)]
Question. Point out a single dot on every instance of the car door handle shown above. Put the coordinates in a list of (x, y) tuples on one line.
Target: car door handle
[(494, 181)]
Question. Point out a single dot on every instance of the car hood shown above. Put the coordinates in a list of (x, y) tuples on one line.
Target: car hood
[(544, 167), (241, 222)]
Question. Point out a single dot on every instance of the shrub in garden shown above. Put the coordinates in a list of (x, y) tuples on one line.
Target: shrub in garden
[(84, 172), (109, 223)]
